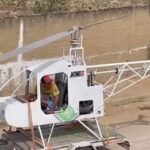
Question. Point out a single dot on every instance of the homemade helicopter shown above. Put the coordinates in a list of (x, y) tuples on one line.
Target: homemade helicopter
[(81, 95)]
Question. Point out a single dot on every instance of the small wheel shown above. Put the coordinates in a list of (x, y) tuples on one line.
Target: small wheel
[(5, 145), (3, 142)]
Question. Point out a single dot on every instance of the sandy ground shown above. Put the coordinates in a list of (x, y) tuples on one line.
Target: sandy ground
[(131, 117), (133, 121)]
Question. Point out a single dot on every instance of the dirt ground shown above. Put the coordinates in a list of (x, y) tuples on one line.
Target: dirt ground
[(132, 121), (129, 114)]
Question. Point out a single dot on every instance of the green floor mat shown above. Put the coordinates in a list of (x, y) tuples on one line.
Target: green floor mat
[(67, 114)]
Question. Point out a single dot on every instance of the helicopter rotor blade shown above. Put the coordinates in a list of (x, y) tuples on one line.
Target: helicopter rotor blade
[(101, 22), (34, 45), (48, 40)]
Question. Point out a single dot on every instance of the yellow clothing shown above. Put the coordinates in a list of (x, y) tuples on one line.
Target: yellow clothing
[(52, 90)]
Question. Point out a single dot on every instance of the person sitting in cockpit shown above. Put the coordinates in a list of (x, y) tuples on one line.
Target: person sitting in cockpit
[(49, 94)]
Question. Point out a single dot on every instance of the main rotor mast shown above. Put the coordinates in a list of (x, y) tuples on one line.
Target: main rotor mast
[(76, 49)]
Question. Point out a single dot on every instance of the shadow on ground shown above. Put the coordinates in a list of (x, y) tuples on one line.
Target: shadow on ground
[(141, 120), (144, 108)]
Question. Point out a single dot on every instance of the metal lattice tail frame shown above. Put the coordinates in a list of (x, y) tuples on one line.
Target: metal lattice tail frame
[(119, 76)]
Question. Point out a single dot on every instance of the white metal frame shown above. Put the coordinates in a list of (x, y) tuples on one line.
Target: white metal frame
[(13, 77), (46, 143), (99, 136), (135, 72)]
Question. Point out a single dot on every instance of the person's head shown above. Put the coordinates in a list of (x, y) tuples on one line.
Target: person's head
[(46, 80)]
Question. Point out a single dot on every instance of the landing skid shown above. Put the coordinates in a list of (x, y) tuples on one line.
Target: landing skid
[(59, 137)]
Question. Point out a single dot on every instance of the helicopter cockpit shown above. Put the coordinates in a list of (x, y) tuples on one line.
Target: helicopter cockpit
[(35, 83), (72, 81), (54, 92)]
